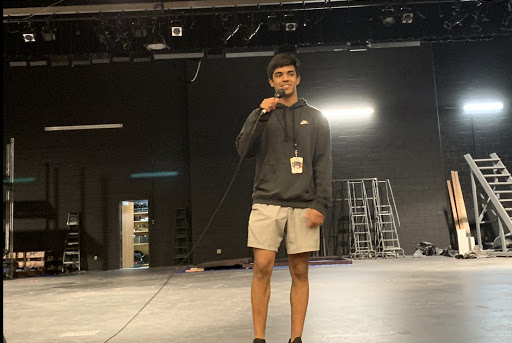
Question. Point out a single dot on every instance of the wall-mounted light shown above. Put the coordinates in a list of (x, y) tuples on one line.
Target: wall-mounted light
[(483, 107), (356, 112)]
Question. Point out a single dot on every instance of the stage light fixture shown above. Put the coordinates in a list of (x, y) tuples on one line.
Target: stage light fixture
[(138, 30), (388, 16), (407, 15), (176, 28), (48, 33), (273, 22), (29, 35), (457, 18), (155, 41), (290, 23), (507, 21)]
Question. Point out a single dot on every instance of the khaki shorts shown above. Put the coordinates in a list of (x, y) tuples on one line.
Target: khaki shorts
[(267, 227)]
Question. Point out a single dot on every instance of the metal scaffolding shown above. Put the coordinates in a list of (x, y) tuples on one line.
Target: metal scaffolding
[(8, 254)]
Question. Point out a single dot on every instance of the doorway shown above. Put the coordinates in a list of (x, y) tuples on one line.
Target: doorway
[(134, 233)]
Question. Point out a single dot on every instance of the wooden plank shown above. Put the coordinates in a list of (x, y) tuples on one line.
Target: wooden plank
[(452, 203), (459, 201), (34, 254), (127, 235)]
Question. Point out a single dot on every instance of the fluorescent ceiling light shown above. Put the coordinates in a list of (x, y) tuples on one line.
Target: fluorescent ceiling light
[(360, 112), (250, 54), (178, 56), (21, 180), (38, 63), (321, 48), (18, 64), (395, 44), (152, 175), (483, 107), (83, 127)]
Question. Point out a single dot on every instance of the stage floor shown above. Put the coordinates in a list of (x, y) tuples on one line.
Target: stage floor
[(432, 299)]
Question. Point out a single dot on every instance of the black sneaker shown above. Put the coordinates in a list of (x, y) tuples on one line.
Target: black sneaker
[(258, 340), (296, 340)]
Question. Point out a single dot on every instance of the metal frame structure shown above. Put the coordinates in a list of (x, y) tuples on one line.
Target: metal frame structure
[(71, 256), (8, 252), (386, 218), (496, 196), (369, 209)]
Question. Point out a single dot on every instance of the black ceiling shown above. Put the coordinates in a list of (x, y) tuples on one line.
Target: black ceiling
[(249, 27)]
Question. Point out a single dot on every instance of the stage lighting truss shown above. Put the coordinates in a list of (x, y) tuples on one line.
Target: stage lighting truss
[(388, 16)]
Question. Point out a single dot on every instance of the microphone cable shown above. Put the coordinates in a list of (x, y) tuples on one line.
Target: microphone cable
[(279, 94)]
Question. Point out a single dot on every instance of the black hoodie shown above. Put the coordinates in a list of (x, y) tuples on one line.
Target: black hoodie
[(273, 145)]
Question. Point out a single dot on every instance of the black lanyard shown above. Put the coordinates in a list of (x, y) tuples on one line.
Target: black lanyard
[(294, 136)]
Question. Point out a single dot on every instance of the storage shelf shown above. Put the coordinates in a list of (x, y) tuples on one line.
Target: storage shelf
[(141, 221), (140, 244), (141, 231), (138, 213)]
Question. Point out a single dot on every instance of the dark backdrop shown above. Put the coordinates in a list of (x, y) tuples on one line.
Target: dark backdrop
[(191, 129)]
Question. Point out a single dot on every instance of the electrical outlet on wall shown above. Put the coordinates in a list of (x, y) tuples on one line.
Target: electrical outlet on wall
[(219, 251)]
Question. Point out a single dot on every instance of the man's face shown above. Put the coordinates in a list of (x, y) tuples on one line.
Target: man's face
[(286, 78)]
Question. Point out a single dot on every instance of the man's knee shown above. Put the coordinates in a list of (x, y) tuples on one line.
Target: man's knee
[(263, 264)]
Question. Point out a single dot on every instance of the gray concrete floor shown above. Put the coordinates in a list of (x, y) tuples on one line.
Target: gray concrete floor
[(433, 299)]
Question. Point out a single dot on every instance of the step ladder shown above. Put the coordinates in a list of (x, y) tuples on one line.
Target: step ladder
[(71, 256), (183, 237), (360, 220), (385, 219), (494, 192)]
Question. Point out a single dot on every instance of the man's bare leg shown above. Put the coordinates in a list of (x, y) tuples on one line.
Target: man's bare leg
[(260, 290), (299, 293)]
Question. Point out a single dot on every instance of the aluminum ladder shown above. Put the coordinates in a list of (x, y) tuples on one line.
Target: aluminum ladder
[(71, 256), (385, 218), (360, 219), (496, 182)]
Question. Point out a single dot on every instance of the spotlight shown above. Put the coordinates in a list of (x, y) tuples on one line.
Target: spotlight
[(388, 16), (290, 23), (29, 37), (273, 23), (48, 33), (176, 28), (456, 19), (155, 41), (507, 21), (407, 16), (138, 30), (291, 26)]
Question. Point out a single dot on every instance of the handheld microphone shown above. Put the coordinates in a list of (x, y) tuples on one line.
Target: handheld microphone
[(279, 94)]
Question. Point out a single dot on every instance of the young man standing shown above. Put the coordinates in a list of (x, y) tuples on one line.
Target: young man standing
[(292, 189)]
